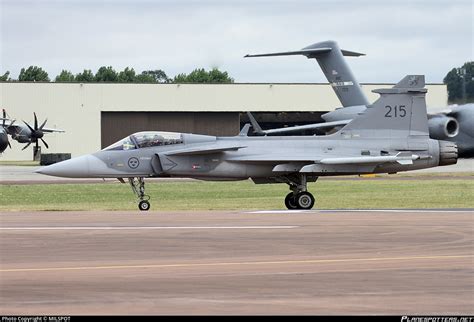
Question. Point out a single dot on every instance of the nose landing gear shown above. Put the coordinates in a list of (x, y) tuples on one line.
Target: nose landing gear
[(138, 187)]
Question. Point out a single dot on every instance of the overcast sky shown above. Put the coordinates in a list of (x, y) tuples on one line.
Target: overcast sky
[(399, 37)]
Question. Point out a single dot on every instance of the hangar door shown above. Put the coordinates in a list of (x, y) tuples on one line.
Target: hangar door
[(117, 125)]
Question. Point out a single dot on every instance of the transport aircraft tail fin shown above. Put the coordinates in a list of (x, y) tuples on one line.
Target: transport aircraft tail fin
[(331, 60)]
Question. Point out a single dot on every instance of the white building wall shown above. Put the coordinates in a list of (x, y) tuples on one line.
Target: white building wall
[(76, 107)]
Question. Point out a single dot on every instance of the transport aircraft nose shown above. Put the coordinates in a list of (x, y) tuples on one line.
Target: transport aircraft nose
[(73, 168)]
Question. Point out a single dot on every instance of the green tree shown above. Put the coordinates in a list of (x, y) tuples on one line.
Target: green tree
[(456, 79), (85, 77), (155, 76), (65, 77), (469, 78), (216, 76), (144, 78), (5, 77), (200, 75), (127, 76), (106, 74), (33, 74)]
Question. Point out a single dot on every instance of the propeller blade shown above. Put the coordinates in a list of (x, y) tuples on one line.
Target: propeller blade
[(11, 123), (4, 117), (36, 121), (9, 144), (44, 142), (31, 129), (26, 146), (42, 125)]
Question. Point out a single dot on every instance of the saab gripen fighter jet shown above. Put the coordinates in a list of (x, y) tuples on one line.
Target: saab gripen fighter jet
[(456, 124), (391, 135), (23, 133)]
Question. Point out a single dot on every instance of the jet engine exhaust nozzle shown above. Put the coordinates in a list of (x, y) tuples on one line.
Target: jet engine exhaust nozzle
[(448, 153)]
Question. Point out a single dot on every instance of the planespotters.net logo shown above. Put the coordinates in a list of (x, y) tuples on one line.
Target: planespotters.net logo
[(437, 319)]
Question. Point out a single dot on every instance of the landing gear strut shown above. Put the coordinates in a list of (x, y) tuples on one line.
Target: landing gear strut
[(299, 198), (138, 187)]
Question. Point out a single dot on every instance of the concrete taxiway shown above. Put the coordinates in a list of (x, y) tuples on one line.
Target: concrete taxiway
[(264, 262)]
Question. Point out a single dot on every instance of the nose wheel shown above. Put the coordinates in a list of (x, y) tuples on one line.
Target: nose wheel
[(138, 188), (144, 205)]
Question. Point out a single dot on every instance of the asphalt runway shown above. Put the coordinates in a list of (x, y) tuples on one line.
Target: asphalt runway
[(262, 262)]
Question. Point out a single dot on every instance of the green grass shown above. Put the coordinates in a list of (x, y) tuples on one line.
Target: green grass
[(19, 163), (243, 195)]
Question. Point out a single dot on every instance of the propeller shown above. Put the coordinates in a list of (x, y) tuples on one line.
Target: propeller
[(36, 133), (4, 115)]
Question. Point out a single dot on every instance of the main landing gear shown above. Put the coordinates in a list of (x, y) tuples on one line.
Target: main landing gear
[(138, 187), (299, 197)]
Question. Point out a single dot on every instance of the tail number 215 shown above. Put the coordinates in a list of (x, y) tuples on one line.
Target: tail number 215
[(395, 111)]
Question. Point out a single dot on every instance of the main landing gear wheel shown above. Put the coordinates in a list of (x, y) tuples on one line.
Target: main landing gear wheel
[(144, 205), (304, 200), (299, 197), (290, 201)]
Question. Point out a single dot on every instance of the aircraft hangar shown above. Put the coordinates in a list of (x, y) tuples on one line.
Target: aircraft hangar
[(95, 115)]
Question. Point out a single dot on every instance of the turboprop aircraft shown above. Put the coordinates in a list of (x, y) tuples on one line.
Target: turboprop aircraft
[(23, 133), (456, 124), (391, 135)]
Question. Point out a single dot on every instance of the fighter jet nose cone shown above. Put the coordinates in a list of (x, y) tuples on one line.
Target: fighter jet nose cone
[(73, 168)]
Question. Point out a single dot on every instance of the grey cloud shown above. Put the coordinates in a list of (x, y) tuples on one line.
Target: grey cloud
[(399, 37)]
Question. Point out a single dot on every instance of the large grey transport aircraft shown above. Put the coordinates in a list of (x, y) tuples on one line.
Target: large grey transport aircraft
[(389, 136), (455, 124)]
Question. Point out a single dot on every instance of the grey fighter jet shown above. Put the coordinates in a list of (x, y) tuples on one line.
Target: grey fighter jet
[(23, 133), (391, 135), (456, 125)]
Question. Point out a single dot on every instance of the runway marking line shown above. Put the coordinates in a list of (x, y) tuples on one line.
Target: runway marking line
[(144, 227), (190, 265), (400, 210), (316, 211)]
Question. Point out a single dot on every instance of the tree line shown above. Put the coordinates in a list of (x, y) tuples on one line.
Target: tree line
[(128, 75), (459, 81)]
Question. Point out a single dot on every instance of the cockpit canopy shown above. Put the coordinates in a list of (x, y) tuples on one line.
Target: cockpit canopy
[(146, 139)]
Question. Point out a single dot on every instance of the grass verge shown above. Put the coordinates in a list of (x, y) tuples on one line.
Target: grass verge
[(242, 195)]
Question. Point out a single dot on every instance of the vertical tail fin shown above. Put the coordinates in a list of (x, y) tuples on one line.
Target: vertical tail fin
[(339, 74), (331, 60), (399, 112), (256, 127)]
